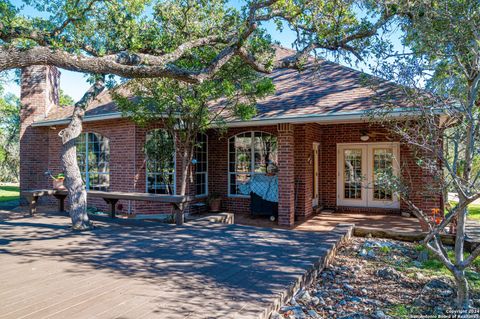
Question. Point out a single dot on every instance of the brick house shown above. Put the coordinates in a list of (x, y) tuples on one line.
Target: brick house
[(311, 138)]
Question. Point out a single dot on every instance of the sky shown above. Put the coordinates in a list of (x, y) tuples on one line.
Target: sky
[(75, 85)]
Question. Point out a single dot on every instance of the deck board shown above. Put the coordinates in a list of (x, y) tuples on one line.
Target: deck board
[(118, 271)]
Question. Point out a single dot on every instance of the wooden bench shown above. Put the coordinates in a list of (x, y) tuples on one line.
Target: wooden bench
[(109, 197)]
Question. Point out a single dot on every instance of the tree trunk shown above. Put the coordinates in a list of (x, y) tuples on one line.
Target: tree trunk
[(463, 297), (73, 179), (73, 182), (187, 154)]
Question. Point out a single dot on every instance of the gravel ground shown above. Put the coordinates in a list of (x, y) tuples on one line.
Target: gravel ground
[(378, 279)]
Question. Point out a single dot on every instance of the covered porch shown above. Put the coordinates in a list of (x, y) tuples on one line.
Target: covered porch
[(321, 166)]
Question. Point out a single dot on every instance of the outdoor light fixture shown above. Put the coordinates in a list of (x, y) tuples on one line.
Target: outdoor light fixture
[(364, 136)]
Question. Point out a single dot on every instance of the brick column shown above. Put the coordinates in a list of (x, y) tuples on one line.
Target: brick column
[(286, 175)]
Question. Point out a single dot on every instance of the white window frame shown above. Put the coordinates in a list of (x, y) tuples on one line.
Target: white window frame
[(205, 173), (174, 166), (86, 173), (367, 200), (252, 161)]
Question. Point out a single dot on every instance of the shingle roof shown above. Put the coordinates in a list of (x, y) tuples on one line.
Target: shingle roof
[(321, 88)]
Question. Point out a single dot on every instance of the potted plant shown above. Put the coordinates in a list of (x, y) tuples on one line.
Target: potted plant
[(58, 181), (215, 202)]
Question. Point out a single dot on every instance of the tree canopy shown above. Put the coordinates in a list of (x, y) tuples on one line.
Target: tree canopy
[(442, 74), (9, 137), (148, 38)]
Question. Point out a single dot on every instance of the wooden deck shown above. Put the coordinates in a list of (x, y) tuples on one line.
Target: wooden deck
[(161, 271), (326, 222)]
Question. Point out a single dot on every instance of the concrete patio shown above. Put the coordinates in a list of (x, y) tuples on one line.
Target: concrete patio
[(161, 271)]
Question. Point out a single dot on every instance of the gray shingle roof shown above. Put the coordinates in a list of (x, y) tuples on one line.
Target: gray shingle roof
[(322, 88)]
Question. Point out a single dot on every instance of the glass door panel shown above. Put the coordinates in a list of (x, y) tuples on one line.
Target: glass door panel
[(382, 173), (352, 171), (383, 169), (352, 174)]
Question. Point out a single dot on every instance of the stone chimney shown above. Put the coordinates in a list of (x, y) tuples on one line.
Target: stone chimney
[(39, 96)]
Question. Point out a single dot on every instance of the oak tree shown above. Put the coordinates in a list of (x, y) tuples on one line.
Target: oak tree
[(186, 41)]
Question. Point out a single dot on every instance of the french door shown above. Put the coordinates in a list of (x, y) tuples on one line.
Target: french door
[(364, 172)]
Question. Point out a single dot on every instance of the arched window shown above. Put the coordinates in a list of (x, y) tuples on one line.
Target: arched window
[(201, 165), (250, 154), (93, 156), (160, 155)]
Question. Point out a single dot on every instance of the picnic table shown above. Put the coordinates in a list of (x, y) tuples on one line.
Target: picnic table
[(111, 198)]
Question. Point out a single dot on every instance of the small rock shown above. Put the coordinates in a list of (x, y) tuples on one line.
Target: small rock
[(371, 254), (438, 284), (368, 235), (422, 256), (275, 315), (337, 291), (320, 294), (342, 302), (354, 315), (315, 300), (405, 214), (419, 276), (304, 297), (378, 244), (345, 269), (379, 314), (418, 302), (445, 293), (364, 291), (355, 300), (348, 287), (312, 313), (296, 311), (388, 273), (373, 302)]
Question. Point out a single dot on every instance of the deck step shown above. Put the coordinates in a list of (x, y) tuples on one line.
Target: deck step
[(223, 218), (327, 211)]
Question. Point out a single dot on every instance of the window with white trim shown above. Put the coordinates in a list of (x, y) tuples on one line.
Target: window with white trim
[(201, 165), (160, 158), (250, 154), (93, 157)]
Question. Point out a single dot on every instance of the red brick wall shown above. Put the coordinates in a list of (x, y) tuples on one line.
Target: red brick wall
[(286, 174), (41, 152), (127, 163), (305, 136), (350, 133)]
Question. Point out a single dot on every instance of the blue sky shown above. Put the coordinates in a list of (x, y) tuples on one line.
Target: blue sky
[(75, 85)]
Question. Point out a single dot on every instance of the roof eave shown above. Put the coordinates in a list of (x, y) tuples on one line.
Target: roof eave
[(334, 117), (90, 118)]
